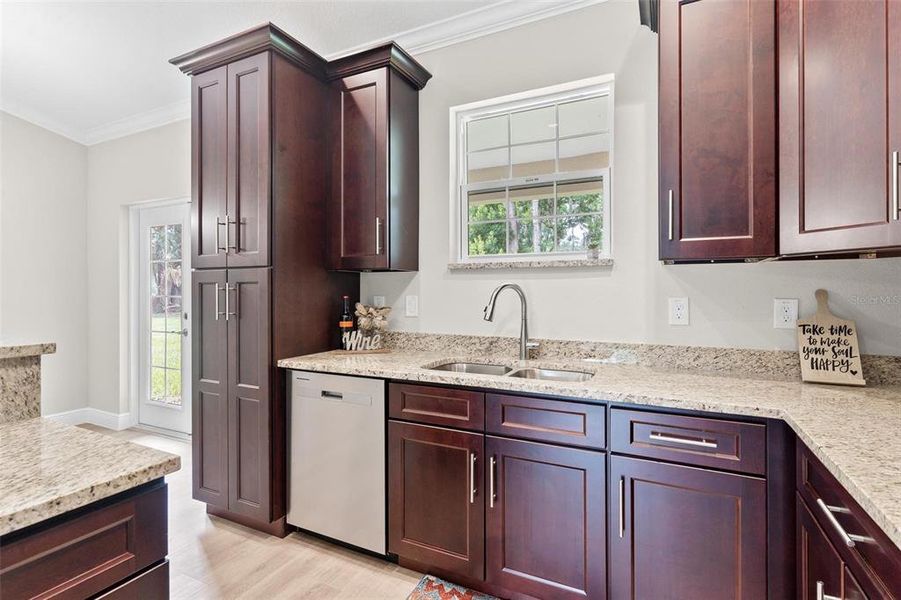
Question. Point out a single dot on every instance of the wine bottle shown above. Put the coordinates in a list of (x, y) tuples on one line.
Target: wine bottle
[(346, 323)]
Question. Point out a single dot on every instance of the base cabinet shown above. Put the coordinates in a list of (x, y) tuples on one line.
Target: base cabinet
[(682, 532), (436, 512), (821, 572), (546, 534)]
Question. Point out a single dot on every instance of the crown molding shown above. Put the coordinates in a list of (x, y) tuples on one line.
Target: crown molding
[(43, 122), (472, 25), (177, 111)]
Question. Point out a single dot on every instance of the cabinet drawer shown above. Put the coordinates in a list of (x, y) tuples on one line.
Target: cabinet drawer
[(572, 423), (462, 409), (698, 441), (871, 556), (88, 553), (152, 584)]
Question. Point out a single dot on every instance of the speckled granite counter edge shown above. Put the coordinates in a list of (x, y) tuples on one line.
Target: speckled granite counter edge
[(353, 366), (15, 350)]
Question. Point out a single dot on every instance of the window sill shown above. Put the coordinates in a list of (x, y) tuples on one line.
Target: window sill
[(562, 263)]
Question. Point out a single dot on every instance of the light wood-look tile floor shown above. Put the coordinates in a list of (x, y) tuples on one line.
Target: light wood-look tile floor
[(213, 558)]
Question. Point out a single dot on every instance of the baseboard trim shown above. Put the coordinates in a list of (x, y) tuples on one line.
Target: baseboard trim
[(94, 416)]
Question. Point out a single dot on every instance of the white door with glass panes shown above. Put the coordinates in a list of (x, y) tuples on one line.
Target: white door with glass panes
[(165, 345)]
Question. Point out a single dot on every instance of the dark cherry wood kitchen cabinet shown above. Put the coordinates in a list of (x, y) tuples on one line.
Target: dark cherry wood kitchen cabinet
[(375, 160), (436, 508), (545, 524), (209, 366), (717, 129), (262, 287), (685, 532), (821, 572), (839, 125)]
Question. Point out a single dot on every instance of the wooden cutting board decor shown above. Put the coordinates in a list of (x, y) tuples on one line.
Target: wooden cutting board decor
[(828, 347)]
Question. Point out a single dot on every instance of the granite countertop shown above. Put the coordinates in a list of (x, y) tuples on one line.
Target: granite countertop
[(48, 468), (853, 431), (14, 348)]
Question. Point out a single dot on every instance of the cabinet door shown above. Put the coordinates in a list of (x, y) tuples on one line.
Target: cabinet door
[(208, 169), (248, 161), (839, 123), (545, 523), (209, 389), (682, 532), (360, 171), (717, 127), (249, 381), (436, 507)]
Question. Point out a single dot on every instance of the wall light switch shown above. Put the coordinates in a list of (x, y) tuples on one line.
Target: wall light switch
[(678, 311), (411, 306), (785, 313), (378, 301)]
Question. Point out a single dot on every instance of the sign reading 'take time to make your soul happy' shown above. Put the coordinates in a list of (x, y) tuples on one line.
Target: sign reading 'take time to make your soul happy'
[(828, 347)]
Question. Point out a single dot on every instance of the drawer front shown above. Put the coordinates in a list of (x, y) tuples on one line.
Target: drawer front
[(714, 443), (97, 549), (152, 584), (558, 421), (872, 557), (462, 409)]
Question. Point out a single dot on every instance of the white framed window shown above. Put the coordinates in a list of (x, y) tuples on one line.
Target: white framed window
[(530, 174)]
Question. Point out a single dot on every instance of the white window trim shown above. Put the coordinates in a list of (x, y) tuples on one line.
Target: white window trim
[(557, 93)]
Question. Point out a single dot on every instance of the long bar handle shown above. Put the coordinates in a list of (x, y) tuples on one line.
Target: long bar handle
[(670, 200), (622, 507), (492, 493), (828, 511), (378, 235), (228, 288), (218, 314), (896, 201), (472, 478), (219, 224), (228, 235), (660, 437), (821, 592)]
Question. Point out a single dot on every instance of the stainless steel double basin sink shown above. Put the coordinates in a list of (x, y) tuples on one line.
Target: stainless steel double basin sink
[(505, 371)]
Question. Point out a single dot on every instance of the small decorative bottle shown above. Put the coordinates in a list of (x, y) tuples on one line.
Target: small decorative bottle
[(346, 323)]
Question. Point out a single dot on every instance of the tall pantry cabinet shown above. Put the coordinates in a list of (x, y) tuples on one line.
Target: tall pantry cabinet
[(262, 292)]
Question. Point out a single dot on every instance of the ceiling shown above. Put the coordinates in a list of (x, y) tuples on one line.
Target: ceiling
[(97, 70)]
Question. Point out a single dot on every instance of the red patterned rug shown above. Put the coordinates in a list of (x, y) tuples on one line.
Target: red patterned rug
[(433, 588)]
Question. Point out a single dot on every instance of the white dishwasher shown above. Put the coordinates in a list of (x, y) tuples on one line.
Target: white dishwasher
[(336, 460)]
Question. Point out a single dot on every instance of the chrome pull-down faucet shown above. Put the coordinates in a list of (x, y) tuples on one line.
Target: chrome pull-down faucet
[(524, 344)]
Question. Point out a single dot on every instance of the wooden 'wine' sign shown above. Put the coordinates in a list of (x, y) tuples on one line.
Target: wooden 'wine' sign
[(828, 347)]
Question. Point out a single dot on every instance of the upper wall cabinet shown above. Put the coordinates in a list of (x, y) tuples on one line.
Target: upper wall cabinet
[(375, 160), (717, 128), (839, 125)]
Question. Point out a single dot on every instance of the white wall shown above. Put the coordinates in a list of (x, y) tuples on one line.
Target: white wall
[(42, 246), (731, 305), (151, 165)]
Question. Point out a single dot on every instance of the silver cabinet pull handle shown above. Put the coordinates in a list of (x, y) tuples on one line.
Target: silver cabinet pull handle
[(828, 511), (671, 215), (896, 202), (659, 437), (378, 235), (492, 494), (472, 478), (219, 246), (228, 236), (218, 314), (228, 288), (622, 507), (821, 592)]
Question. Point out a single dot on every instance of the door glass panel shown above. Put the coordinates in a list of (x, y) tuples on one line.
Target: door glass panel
[(166, 314)]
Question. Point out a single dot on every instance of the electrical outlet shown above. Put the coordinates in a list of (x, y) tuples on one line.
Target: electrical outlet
[(785, 313), (678, 311), (411, 306), (378, 301)]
